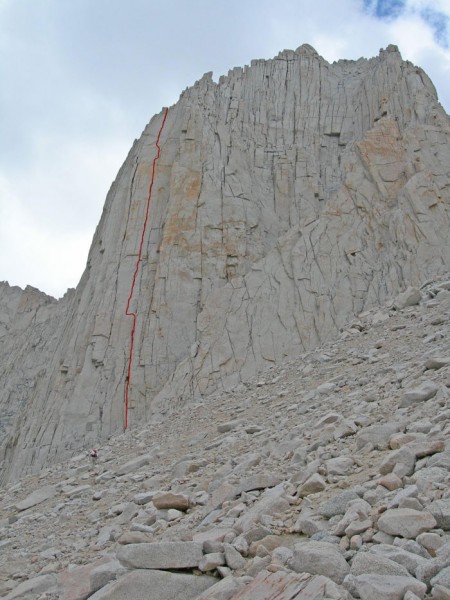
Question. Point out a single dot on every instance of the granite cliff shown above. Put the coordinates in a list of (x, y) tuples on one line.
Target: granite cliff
[(290, 196)]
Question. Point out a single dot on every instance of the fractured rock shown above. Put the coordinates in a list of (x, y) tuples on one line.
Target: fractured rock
[(388, 587), (36, 497), (366, 562), (409, 297), (287, 586), (421, 393), (161, 555), (28, 590), (309, 196), (440, 509), (406, 522), (314, 484), (163, 585), (319, 558)]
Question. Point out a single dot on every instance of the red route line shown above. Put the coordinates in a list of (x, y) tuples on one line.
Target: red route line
[(127, 310)]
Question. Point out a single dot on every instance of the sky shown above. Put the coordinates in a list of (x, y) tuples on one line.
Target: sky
[(79, 80)]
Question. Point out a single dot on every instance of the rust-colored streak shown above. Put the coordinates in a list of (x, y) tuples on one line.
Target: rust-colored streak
[(136, 269)]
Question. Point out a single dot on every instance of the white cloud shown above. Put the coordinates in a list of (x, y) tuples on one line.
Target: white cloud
[(47, 214)]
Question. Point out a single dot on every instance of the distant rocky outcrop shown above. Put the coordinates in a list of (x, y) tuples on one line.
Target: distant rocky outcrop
[(288, 196)]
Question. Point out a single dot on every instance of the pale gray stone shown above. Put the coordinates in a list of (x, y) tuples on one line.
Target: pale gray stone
[(367, 562), (257, 565), (314, 484), (209, 562), (163, 585), (427, 447), (256, 533), (184, 467), (410, 503), (75, 492), (134, 464), (309, 524), (224, 589), (442, 578), (341, 465), (406, 522), (216, 534), (358, 526), (382, 538), (356, 513), (440, 509), (36, 497), (421, 393), (326, 388), (403, 456), (429, 476), (233, 558), (319, 558), (377, 435), (229, 426), (331, 417), (282, 555), (337, 505), (410, 546), (30, 589), (286, 585), (103, 574), (430, 541), (410, 596), (271, 502), (410, 297), (429, 570), (161, 555), (437, 362), (143, 497), (409, 491), (409, 560), (387, 587), (259, 481), (440, 592)]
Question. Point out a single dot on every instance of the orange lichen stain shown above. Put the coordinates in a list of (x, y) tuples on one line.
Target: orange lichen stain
[(382, 142), (193, 186), (384, 155), (186, 184)]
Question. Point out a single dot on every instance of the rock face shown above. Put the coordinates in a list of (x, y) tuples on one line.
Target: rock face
[(132, 524), (288, 197)]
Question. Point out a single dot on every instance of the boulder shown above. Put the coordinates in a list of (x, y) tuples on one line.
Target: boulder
[(167, 500), (387, 587), (289, 586), (319, 558), (33, 588), (421, 393), (337, 505), (366, 562), (440, 509), (36, 497), (161, 555), (406, 522), (163, 585)]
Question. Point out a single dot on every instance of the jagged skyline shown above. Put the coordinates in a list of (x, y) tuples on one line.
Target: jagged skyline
[(81, 81)]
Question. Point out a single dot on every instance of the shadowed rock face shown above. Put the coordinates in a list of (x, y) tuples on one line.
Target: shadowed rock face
[(288, 196)]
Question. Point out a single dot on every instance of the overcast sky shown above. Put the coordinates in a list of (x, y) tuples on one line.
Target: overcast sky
[(79, 79)]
